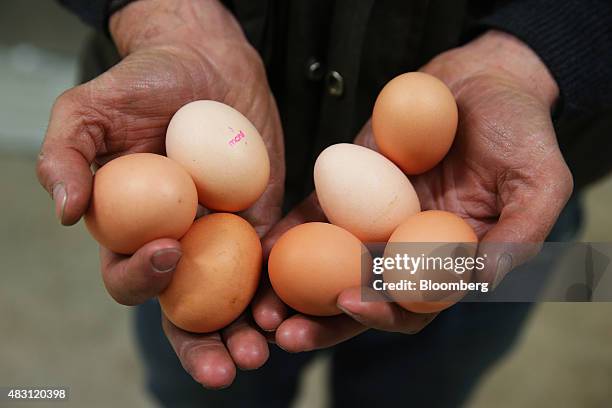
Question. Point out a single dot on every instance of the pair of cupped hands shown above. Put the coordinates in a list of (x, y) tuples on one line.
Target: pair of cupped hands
[(504, 173)]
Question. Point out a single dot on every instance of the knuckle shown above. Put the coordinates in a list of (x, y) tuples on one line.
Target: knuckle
[(567, 181), (66, 101), (184, 348), (553, 177), (76, 112), (561, 186)]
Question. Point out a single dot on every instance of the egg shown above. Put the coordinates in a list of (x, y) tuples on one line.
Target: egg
[(363, 192), (414, 121), (223, 152), (431, 235), (312, 263), (138, 198), (217, 275)]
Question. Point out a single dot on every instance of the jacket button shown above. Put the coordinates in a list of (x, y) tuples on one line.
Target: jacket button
[(314, 70), (334, 83)]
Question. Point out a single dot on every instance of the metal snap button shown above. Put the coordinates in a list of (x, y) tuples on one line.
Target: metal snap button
[(334, 83), (314, 70)]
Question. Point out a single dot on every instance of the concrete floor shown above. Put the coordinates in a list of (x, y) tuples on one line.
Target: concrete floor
[(59, 327)]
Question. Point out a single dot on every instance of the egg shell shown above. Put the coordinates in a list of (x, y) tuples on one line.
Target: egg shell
[(414, 121), (138, 198), (421, 233), (217, 275), (223, 152), (312, 263), (362, 191)]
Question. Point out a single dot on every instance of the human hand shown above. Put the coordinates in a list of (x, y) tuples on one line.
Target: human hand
[(173, 52), (504, 174)]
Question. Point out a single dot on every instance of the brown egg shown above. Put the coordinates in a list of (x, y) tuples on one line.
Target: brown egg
[(433, 234), (139, 198), (217, 275), (414, 121), (312, 263)]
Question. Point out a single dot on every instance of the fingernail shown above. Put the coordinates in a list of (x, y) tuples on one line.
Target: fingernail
[(285, 350), (165, 260), (59, 197), (504, 264), (354, 316)]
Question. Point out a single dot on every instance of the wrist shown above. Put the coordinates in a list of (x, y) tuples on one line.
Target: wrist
[(171, 22), (510, 55), (500, 54)]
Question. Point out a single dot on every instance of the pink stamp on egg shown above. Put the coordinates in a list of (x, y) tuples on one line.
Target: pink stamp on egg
[(239, 136)]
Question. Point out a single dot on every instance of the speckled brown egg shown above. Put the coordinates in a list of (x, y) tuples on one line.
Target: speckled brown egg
[(217, 275)]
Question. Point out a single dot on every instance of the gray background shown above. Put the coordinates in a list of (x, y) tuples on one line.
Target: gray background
[(58, 326)]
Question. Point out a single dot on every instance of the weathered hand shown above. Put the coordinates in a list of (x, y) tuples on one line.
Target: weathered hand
[(173, 52), (504, 174)]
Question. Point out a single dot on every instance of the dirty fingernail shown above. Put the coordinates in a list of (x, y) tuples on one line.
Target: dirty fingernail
[(354, 316), (59, 197), (165, 260), (504, 264)]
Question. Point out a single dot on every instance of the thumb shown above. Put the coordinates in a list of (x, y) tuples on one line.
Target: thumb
[(68, 150), (524, 223)]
